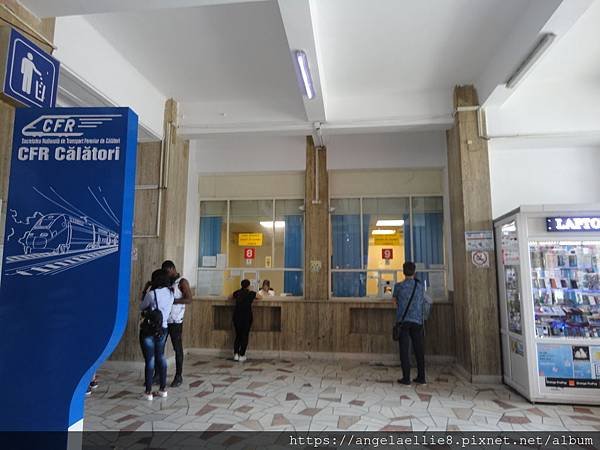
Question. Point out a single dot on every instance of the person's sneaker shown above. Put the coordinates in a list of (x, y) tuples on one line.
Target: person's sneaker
[(148, 396), (420, 381), (177, 381), (243, 358), (162, 394), (236, 357), (404, 382), (89, 391), (94, 385)]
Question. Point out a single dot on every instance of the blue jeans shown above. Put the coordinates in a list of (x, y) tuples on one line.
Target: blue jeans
[(153, 349)]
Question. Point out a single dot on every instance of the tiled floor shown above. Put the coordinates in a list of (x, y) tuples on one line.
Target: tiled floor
[(305, 395)]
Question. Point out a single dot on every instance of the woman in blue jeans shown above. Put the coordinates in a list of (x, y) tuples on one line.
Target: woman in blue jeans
[(153, 347)]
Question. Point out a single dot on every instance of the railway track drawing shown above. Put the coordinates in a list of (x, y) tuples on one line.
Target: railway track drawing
[(54, 242)]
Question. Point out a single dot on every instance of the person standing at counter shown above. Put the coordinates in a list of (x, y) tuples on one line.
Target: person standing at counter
[(410, 299), (242, 319)]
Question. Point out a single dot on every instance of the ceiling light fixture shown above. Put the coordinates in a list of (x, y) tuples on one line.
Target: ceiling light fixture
[(388, 232), (269, 224), (534, 55), (390, 223), (304, 75)]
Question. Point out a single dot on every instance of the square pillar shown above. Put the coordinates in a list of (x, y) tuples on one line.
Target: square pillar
[(475, 287), (316, 216)]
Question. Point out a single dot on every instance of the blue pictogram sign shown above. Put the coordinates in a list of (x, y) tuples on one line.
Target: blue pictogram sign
[(31, 76)]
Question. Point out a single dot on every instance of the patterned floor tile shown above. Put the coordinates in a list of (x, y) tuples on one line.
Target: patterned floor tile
[(319, 395)]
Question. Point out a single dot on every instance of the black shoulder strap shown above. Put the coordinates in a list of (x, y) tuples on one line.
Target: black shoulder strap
[(155, 299), (410, 300)]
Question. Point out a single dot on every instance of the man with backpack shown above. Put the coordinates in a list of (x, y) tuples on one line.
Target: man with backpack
[(413, 307)]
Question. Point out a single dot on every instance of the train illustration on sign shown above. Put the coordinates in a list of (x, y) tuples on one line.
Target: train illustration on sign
[(60, 233)]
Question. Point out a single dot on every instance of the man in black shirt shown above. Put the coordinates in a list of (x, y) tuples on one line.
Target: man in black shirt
[(242, 319)]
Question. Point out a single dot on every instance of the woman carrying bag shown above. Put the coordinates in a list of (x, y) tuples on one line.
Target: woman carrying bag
[(156, 307)]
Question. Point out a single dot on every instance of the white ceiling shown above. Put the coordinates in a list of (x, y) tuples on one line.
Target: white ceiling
[(390, 46), (560, 98), (575, 58), (192, 55), (384, 64)]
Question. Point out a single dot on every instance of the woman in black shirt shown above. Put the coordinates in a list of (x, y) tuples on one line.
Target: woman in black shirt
[(242, 319)]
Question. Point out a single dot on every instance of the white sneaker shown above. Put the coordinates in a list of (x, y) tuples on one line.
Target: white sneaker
[(236, 357), (162, 394), (243, 358), (148, 396)]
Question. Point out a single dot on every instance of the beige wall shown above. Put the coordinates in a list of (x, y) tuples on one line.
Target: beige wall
[(252, 186), (397, 182)]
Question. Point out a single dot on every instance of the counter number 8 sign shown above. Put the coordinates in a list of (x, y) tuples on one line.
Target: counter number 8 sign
[(249, 253)]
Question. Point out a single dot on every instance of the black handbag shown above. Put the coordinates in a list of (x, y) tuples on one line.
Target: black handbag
[(398, 325), (152, 320)]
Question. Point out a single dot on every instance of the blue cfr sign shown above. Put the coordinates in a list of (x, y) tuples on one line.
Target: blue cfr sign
[(31, 74), (64, 293)]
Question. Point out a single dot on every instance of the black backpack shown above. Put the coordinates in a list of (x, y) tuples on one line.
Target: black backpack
[(152, 320)]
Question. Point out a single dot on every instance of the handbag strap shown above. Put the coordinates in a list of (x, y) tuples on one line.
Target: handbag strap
[(155, 300), (410, 300)]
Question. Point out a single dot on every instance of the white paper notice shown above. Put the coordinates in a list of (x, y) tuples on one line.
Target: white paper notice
[(209, 261)]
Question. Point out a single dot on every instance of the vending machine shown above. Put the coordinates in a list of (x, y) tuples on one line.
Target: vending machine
[(549, 283)]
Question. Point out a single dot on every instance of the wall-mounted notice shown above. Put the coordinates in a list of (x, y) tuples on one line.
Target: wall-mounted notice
[(67, 258), (209, 261), (387, 239), (250, 239), (480, 259), (479, 240)]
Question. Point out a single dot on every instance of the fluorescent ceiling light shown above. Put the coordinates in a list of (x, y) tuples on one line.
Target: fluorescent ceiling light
[(383, 232), (390, 223), (536, 53), (304, 73), (278, 224)]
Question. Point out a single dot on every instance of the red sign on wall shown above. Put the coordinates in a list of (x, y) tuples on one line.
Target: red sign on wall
[(387, 253), (249, 253)]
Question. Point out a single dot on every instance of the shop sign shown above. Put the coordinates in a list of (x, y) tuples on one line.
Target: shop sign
[(566, 224), (387, 239), (67, 258), (250, 239), (30, 76), (479, 240)]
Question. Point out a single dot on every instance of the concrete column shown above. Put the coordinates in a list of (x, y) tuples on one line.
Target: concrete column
[(475, 289), (175, 193), (316, 247), (150, 248)]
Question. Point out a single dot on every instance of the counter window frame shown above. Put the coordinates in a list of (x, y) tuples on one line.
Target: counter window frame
[(410, 198)]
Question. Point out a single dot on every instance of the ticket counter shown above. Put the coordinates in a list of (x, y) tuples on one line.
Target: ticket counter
[(347, 326)]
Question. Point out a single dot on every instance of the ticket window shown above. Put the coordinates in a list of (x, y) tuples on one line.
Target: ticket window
[(253, 278), (385, 225)]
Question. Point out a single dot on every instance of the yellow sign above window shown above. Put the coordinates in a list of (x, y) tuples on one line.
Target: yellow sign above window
[(250, 239), (387, 239)]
